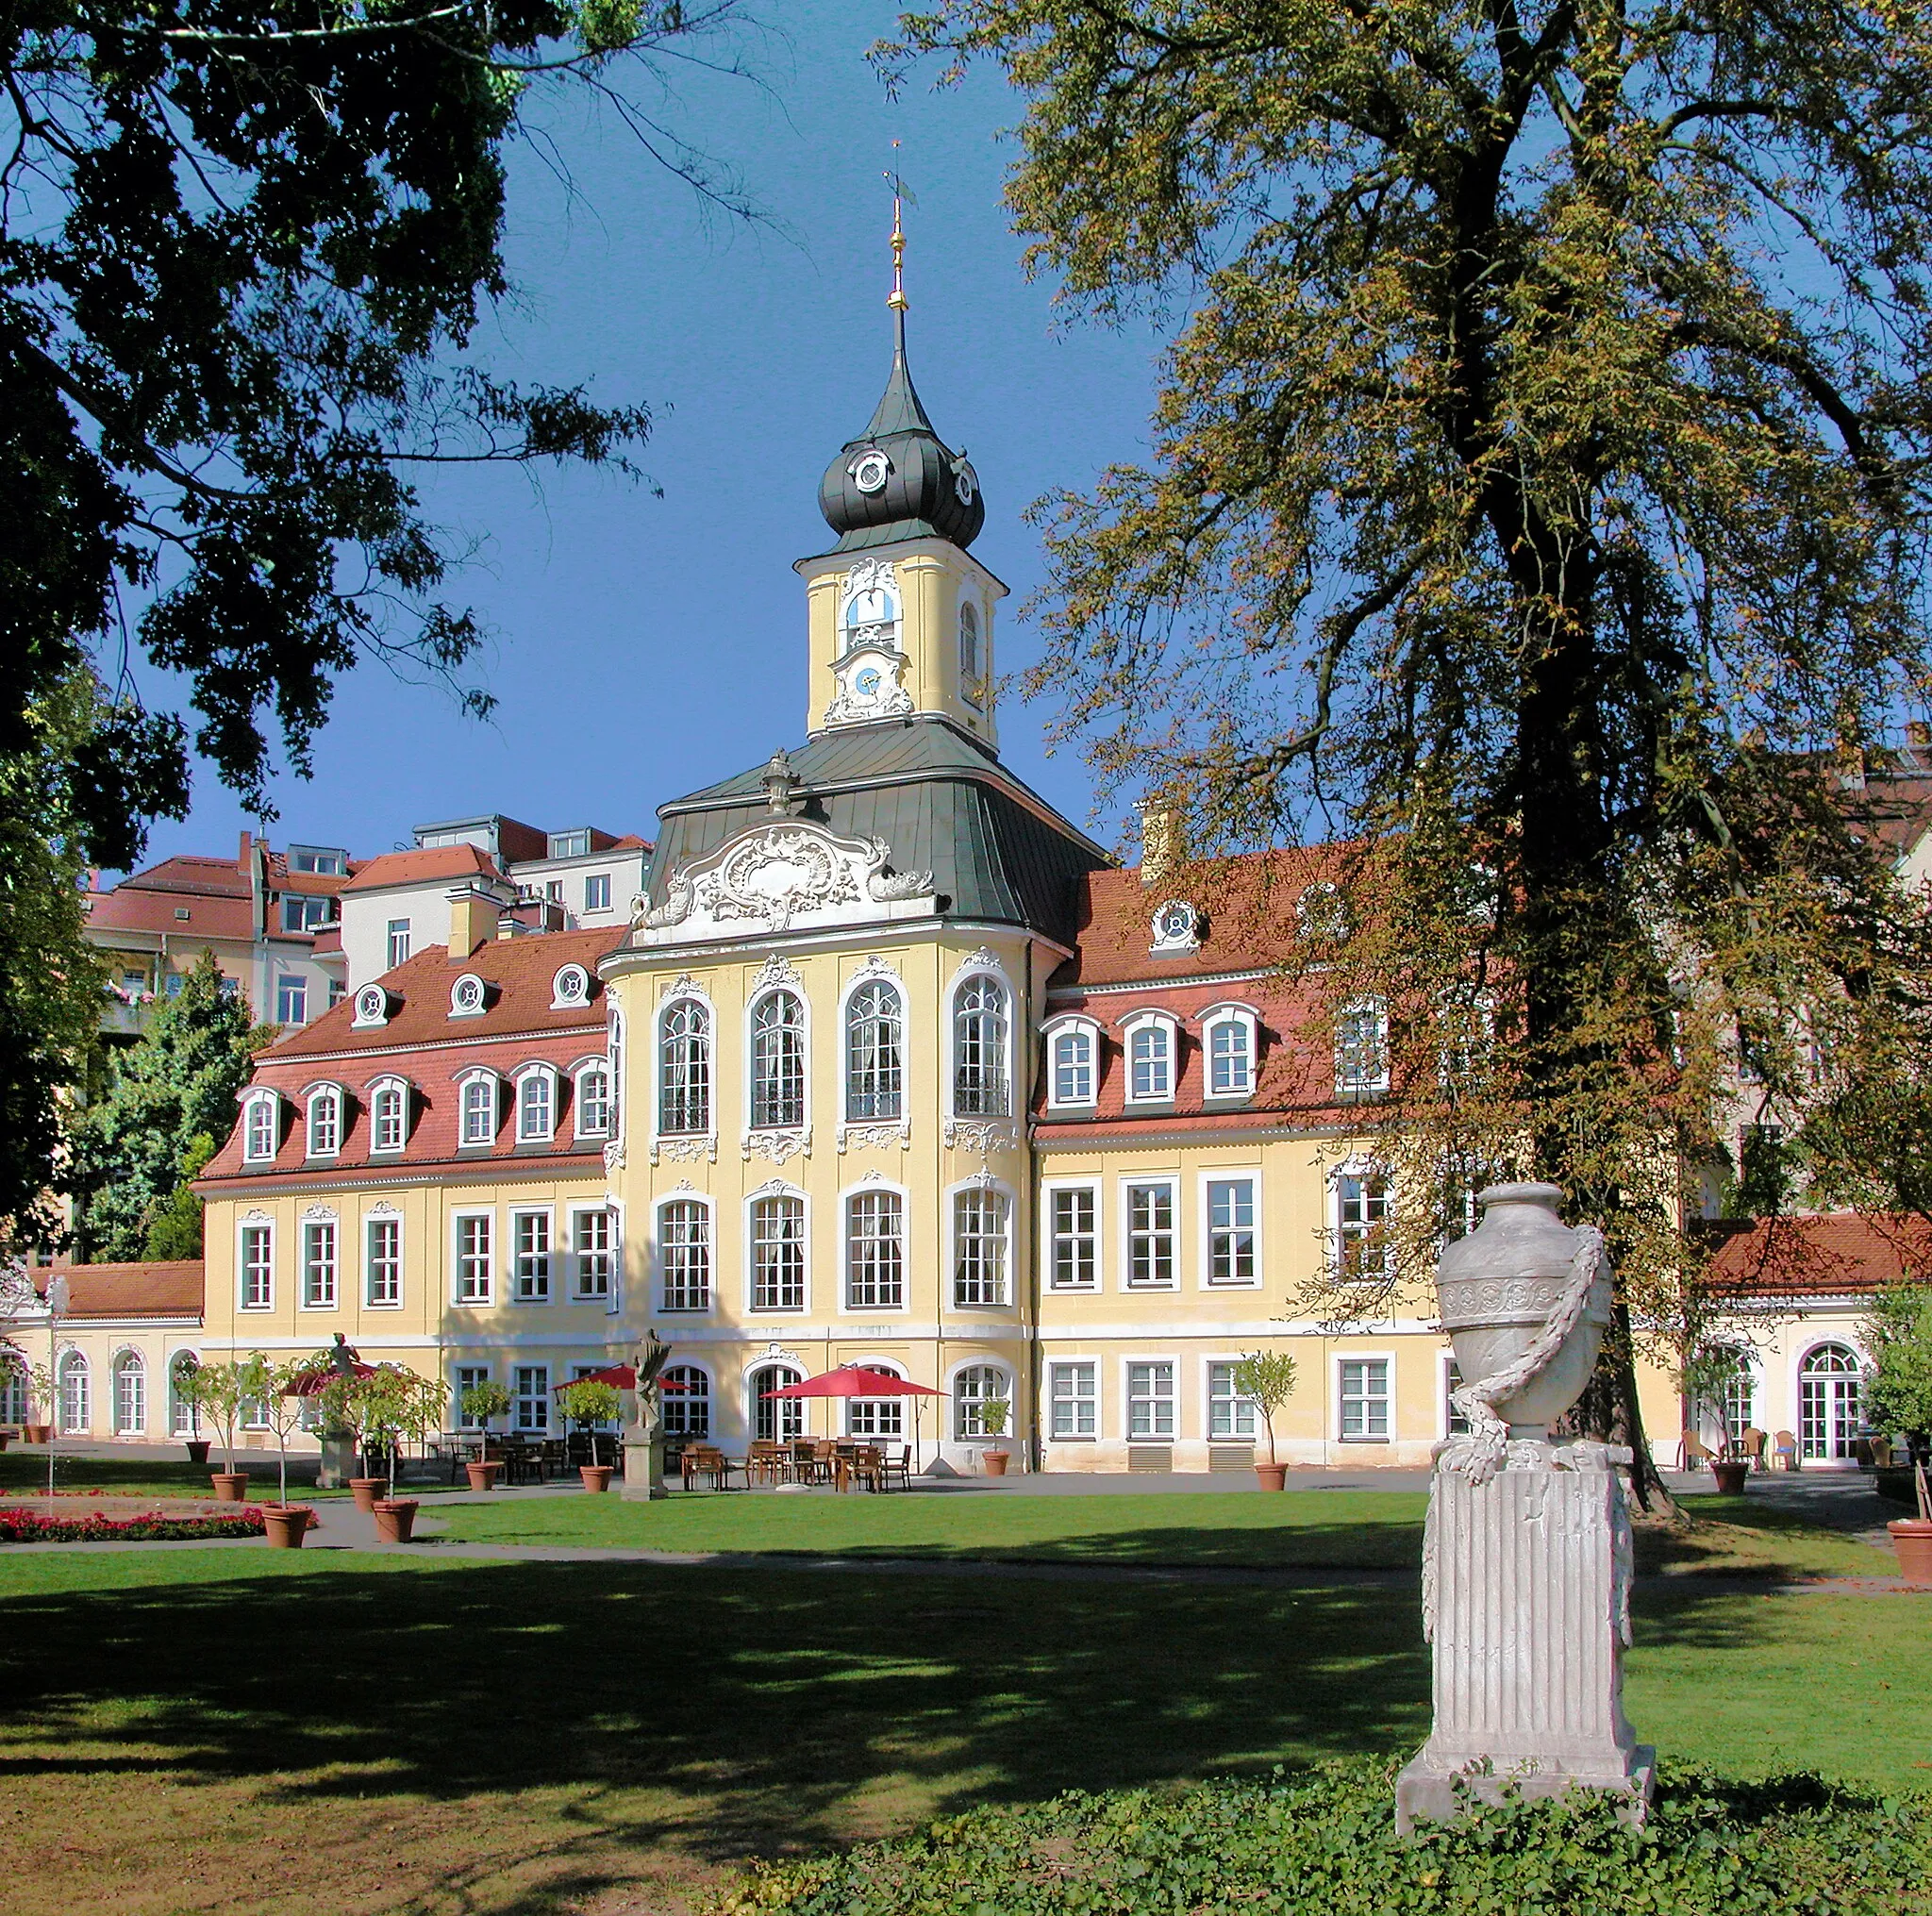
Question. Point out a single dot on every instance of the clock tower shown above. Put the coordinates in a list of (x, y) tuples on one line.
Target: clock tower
[(900, 614)]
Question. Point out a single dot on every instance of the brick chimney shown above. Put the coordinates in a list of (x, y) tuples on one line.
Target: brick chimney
[(475, 920)]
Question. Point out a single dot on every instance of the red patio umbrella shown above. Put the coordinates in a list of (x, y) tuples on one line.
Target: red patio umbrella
[(856, 1380), (619, 1376)]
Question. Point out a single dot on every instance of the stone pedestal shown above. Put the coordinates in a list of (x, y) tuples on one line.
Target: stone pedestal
[(338, 1463), (644, 1467), (1525, 1600)]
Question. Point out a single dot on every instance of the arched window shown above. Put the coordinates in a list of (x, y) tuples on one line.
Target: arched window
[(778, 1253), (687, 1402), (324, 1120), (871, 1418), (1070, 1065), (968, 647), (1229, 1039), (259, 1128), (875, 1251), (1829, 1402), (774, 1418), (480, 1109), (981, 1218), (389, 1117), (874, 1054), (778, 1061), (1361, 1053), (684, 1052), (130, 1394), (684, 1254), (974, 1389), (76, 1411), (536, 1107), (1151, 1062), (979, 1049), (593, 1100), (184, 1415), (15, 1402)]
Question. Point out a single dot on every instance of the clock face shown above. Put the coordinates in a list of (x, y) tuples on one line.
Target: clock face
[(870, 472), (867, 683), (966, 484)]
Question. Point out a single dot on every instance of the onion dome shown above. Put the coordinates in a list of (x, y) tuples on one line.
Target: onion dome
[(898, 479)]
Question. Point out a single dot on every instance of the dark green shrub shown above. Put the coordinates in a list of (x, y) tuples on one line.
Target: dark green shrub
[(1325, 1841)]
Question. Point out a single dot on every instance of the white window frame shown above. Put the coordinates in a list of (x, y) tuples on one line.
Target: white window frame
[(753, 1121), (255, 1221), (1231, 1173), (487, 1296), (325, 1114), (478, 1075), (570, 989), (878, 1409), (577, 1254), (981, 966), (688, 995), (989, 1186), (777, 1188), (1073, 1026), (1170, 1181), (1151, 1024), (378, 1090), (877, 1187), (1240, 1408), (463, 1378), (1353, 1087), (540, 1397), (519, 1215), (1338, 1359), (294, 986), (585, 1068), (677, 1404), (1129, 1365), (1221, 1017), (1339, 1233), (526, 1075), (469, 995), (269, 1103), (860, 981), (128, 1363), (1091, 1402), (372, 1222), (708, 1211), (596, 890), (1050, 1190), (1449, 1378), (71, 1365), (963, 1412), (307, 1292), (396, 942)]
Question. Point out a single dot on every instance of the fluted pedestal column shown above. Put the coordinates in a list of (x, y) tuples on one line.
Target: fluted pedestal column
[(1525, 1600)]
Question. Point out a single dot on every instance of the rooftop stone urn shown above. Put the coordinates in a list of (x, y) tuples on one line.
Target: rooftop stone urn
[(1526, 1559)]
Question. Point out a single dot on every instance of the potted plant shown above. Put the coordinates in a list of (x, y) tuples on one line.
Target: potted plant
[(181, 1370), (480, 1402), (1730, 1467), (1266, 1380), (398, 1403), (993, 1412), (588, 1403), (221, 1391), (287, 1522), (1899, 1336), (344, 1405), (41, 1388)]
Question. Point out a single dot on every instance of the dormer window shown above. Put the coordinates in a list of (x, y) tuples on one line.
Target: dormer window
[(571, 987), (469, 997), (1228, 1044), (1176, 928), (389, 1114), (324, 1120), (1150, 1044), (1072, 1056), (371, 1008), (535, 1104), (592, 1099), (261, 1127), (479, 1108)]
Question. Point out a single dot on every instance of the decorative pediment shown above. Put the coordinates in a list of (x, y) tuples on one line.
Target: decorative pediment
[(782, 874)]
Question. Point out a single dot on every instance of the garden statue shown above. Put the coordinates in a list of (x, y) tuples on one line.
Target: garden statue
[(643, 1442), (1526, 1559)]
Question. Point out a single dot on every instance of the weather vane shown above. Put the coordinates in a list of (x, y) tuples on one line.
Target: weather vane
[(897, 299)]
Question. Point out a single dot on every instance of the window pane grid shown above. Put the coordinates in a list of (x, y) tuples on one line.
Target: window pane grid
[(976, 1387), (1365, 1398), (687, 1402), (1230, 1060), (1150, 1236), (1150, 1400), (979, 1247), (319, 1266), (778, 1085), (594, 1102), (473, 1260), (324, 1124), (533, 1256), (979, 1064), (876, 1251), (1150, 1055), (1229, 1415), (1072, 1067), (1074, 1395), (684, 1099), (1231, 1231), (388, 1120), (530, 1388), (684, 1242), (533, 1107), (257, 1267), (479, 1112), (1075, 1241), (777, 1247), (875, 1054), (385, 1260), (1362, 1210), (594, 1233)]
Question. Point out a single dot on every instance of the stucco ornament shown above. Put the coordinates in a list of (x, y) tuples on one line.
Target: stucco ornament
[(771, 875)]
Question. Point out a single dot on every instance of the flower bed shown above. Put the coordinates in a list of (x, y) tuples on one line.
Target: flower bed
[(155, 1524)]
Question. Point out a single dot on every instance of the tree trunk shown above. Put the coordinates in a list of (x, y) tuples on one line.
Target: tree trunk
[(1610, 1412)]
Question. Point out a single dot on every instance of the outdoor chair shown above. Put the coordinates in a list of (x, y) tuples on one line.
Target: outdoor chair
[(1785, 1447), (522, 1463), (1694, 1452), (1755, 1440), (867, 1465), (899, 1466), (706, 1460), (770, 1462), (554, 1458), (1881, 1453)]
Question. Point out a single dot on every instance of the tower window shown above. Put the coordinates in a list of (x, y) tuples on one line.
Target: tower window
[(969, 650)]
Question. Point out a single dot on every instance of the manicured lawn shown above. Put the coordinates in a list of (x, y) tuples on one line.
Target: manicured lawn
[(1326, 1529), (235, 1731)]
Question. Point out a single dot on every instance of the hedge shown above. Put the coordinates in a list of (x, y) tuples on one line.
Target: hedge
[(1323, 1840), (148, 1526)]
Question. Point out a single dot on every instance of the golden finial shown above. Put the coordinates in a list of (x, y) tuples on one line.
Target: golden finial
[(897, 299)]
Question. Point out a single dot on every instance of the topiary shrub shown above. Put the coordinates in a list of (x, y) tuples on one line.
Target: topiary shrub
[(1323, 1840)]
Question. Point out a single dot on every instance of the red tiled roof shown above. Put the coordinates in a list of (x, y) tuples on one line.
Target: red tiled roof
[(191, 871), (421, 867), (155, 1290), (1834, 1254), (629, 842), (209, 915)]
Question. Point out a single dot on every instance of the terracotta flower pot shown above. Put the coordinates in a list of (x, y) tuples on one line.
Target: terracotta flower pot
[(1730, 1477), (1911, 1537), (1272, 1477), (395, 1518), (6, 1437), (596, 1477), (231, 1486), (994, 1463), (287, 1525), (483, 1476), (36, 1433), (197, 1449), (365, 1490)]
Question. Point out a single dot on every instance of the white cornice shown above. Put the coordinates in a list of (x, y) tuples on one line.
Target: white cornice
[(1162, 983)]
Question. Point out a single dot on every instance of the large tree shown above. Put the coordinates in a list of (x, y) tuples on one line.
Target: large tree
[(1536, 506), (243, 253)]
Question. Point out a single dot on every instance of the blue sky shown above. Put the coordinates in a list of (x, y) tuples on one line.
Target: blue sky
[(644, 647)]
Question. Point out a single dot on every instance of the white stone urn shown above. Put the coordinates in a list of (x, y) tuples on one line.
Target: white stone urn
[(1524, 1300)]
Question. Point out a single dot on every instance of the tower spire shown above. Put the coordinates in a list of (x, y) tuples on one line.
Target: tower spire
[(897, 299)]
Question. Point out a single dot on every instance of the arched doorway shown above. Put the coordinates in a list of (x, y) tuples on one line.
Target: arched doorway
[(1829, 1393), (76, 1409), (130, 1394), (774, 1418)]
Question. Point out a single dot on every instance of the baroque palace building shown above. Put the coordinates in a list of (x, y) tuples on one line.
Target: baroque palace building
[(892, 1066)]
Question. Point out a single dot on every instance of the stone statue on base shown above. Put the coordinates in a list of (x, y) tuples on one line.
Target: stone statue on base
[(643, 1442), (1526, 1559)]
